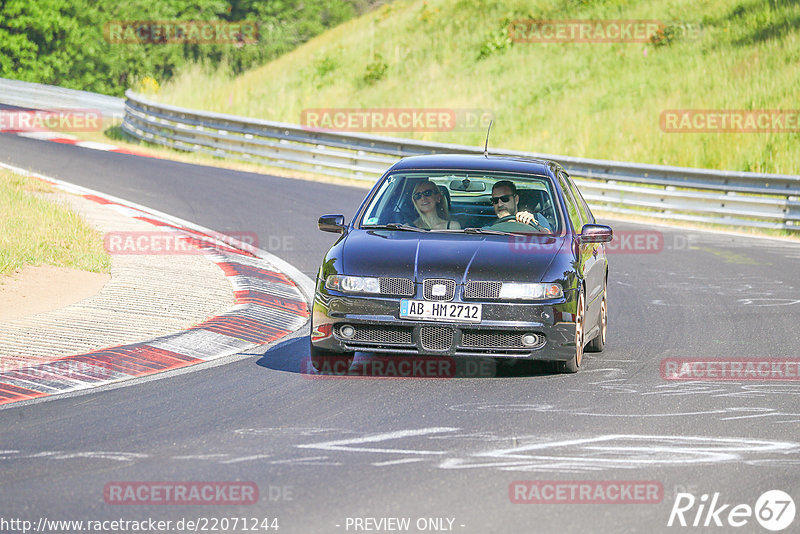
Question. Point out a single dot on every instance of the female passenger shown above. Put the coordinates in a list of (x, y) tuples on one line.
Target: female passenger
[(434, 213)]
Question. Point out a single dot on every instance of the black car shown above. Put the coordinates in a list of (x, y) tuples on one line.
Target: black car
[(465, 255)]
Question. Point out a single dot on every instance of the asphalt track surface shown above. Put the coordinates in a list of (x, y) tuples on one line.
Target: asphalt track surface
[(325, 450)]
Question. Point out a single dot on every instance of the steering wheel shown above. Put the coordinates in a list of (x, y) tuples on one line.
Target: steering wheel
[(503, 223), (513, 218)]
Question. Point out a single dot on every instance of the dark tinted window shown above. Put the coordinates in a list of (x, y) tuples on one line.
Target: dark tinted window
[(586, 213), (572, 208), (462, 197)]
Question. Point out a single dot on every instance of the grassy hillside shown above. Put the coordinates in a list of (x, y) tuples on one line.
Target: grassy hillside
[(601, 100)]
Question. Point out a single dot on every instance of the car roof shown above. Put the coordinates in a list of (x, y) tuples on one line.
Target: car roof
[(473, 162)]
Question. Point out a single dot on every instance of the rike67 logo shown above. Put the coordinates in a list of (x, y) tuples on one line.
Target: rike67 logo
[(774, 510)]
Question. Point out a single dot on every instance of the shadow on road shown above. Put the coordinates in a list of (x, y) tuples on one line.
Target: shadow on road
[(293, 356)]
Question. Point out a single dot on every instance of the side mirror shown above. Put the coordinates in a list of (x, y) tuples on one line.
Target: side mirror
[(332, 223), (596, 233)]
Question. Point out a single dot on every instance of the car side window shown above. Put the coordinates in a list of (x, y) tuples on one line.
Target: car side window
[(379, 211), (586, 209), (572, 208), (582, 206)]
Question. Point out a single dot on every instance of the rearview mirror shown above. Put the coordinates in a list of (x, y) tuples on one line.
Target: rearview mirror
[(471, 186), (332, 223), (596, 233)]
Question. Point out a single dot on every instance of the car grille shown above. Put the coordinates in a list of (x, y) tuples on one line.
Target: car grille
[(390, 335), (436, 337), (397, 286), (490, 339), (482, 290), (449, 291)]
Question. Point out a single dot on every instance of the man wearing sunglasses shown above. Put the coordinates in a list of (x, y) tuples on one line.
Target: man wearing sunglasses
[(505, 201)]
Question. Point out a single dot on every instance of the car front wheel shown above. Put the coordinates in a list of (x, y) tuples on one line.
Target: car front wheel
[(599, 342), (572, 365)]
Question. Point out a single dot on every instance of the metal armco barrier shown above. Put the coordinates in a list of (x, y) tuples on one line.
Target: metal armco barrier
[(701, 195), (40, 96)]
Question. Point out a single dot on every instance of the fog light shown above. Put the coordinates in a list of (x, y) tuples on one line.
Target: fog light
[(529, 340), (347, 331)]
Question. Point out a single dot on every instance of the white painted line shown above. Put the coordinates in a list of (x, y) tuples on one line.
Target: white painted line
[(342, 445), (124, 210), (398, 462), (201, 344), (96, 146), (46, 136), (314, 460), (201, 456), (245, 459)]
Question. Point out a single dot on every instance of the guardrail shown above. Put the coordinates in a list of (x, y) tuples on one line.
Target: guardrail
[(40, 96), (701, 195)]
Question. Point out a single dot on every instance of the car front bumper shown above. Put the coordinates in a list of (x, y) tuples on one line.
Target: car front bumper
[(377, 327)]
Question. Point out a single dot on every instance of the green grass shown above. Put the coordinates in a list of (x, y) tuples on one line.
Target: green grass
[(35, 231), (598, 100)]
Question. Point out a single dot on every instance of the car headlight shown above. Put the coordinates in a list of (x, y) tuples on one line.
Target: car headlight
[(353, 284), (516, 290)]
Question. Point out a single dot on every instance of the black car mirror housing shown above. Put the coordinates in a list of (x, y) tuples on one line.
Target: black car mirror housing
[(332, 223), (596, 233)]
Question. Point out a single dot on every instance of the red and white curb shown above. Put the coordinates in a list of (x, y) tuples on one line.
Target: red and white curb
[(72, 140), (271, 302)]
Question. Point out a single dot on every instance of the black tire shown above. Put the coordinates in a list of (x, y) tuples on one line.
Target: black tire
[(329, 362), (572, 365), (599, 342)]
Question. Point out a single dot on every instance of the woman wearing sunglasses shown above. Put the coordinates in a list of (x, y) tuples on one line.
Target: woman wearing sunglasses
[(434, 213)]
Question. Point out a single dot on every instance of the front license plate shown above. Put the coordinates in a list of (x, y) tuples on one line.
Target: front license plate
[(440, 311)]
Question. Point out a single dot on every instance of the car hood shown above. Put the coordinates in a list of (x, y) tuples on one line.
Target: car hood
[(457, 256)]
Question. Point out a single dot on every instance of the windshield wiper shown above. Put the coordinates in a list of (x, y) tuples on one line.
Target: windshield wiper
[(394, 226), (485, 231)]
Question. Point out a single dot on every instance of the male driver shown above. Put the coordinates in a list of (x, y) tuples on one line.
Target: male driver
[(505, 201)]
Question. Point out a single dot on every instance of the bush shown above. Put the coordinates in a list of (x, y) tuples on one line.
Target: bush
[(62, 42), (376, 70)]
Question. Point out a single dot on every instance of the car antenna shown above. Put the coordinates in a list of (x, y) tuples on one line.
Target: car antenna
[(486, 146)]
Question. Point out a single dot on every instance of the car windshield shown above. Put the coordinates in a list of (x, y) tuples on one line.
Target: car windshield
[(469, 202)]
